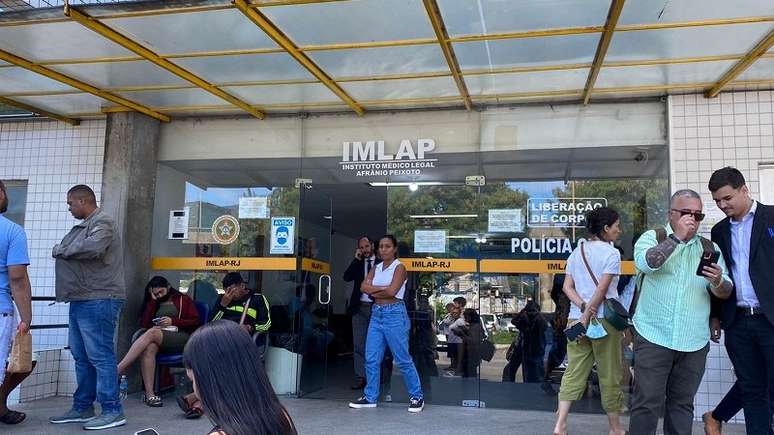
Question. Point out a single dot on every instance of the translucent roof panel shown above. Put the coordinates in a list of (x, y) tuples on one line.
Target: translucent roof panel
[(66, 40), (402, 89), (650, 11), (524, 52), (673, 74), (171, 98), (495, 84), (686, 42), (762, 69), (120, 74), (497, 16), (275, 66), (381, 61), (194, 32), (67, 104), (352, 21), (21, 80), (284, 94)]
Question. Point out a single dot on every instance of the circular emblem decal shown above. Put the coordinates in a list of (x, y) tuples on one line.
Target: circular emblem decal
[(225, 229)]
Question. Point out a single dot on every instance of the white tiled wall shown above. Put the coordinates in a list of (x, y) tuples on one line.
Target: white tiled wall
[(52, 157), (735, 129)]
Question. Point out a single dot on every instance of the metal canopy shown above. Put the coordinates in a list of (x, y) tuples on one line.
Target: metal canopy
[(172, 58)]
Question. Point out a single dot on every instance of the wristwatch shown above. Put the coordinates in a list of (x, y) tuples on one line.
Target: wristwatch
[(674, 237), (583, 307)]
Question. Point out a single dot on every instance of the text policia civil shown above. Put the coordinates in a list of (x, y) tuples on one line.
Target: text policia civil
[(369, 159)]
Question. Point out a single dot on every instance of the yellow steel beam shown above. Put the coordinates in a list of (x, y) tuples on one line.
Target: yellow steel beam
[(260, 20), (759, 50), (405, 76), (41, 112), (140, 50), (85, 87), (434, 14), (616, 6), (430, 101)]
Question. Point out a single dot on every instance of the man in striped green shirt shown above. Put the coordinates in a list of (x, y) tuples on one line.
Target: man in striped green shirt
[(672, 319)]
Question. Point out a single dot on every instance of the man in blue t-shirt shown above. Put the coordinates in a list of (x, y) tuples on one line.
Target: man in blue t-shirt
[(13, 281)]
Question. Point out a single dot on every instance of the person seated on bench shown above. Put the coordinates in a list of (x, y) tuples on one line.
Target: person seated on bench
[(169, 317), (239, 304)]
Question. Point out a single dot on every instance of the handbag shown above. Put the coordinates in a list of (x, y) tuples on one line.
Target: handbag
[(487, 350), (21, 354), (615, 313)]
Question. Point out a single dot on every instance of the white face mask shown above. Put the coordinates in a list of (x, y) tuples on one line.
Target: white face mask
[(595, 330)]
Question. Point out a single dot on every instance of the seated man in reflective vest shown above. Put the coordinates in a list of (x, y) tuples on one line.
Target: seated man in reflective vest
[(244, 306), (241, 305)]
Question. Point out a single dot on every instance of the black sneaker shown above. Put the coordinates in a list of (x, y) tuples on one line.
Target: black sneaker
[(416, 405), (361, 402)]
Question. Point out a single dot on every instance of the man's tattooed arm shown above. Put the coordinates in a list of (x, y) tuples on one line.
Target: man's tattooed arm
[(658, 255)]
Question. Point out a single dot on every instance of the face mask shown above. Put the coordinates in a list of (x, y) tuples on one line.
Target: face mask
[(595, 330)]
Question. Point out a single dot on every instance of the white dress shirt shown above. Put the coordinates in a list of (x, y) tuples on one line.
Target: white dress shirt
[(741, 232)]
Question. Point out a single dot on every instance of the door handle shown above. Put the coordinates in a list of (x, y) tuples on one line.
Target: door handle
[(320, 287)]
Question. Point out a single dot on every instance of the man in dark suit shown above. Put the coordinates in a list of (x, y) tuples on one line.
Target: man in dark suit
[(360, 304), (746, 239)]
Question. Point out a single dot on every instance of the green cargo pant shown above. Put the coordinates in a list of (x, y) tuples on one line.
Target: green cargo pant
[(581, 355)]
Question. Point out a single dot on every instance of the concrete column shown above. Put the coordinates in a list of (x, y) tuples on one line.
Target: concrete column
[(128, 189)]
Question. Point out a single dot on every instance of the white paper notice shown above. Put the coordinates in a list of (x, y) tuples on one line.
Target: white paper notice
[(430, 241), (254, 207), (712, 215), (178, 224), (505, 220)]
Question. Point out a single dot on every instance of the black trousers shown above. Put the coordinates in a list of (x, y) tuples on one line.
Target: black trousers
[(750, 345), (664, 379), (732, 404)]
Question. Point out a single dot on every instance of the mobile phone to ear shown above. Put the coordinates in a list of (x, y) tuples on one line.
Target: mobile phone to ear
[(149, 431), (573, 332), (707, 259)]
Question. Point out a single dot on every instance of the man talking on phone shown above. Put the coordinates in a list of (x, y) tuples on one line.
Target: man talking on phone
[(360, 304), (671, 319)]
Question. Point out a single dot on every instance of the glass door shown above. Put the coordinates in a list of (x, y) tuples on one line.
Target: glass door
[(313, 291)]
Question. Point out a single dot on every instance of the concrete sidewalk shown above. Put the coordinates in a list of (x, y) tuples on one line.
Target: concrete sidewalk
[(333, 417)]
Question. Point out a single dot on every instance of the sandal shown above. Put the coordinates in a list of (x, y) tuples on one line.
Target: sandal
[(153, 401), (13, 417), (194, 413), (183, 404)]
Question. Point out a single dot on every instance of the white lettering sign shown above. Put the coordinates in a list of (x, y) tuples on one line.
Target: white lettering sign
[(546, 245), (370, 158), (561, 212)]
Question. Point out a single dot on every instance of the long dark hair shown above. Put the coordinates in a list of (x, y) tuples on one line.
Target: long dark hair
[(231, 382), (156, 282)]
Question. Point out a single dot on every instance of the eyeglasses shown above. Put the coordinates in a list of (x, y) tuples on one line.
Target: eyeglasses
[(699, 216)]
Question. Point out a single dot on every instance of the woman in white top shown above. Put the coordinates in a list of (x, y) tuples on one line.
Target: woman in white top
[(604, 262), (389, 326)]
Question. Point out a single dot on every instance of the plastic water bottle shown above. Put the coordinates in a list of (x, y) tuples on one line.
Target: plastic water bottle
[(123, 387)]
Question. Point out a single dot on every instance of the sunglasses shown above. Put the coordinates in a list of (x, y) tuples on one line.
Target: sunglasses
[(699, 216)]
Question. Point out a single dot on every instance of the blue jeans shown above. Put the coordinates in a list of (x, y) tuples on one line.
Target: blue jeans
[(389, 327), (92, 328)]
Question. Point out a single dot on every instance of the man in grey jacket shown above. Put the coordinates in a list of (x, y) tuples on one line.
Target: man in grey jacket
[(90, 276)]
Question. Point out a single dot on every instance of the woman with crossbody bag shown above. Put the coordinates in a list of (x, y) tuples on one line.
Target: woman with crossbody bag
[(592, 277)]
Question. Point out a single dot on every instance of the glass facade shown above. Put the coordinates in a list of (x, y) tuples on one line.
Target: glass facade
[(476, 217)]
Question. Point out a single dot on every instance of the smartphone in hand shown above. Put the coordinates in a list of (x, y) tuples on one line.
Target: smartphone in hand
[(707, 259), (157, 320), (573, 332)]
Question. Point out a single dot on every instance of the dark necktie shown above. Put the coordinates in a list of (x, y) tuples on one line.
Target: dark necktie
[(368, 270)]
